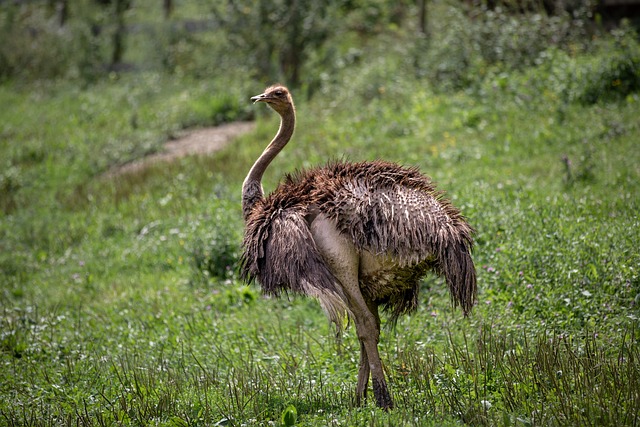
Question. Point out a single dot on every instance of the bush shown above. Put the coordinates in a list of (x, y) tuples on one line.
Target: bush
[(215, 250), (36, 46), (215, 255), (615, 76), (33, 44), (516, 41), (214, 109), (461, 48), (11, 182)]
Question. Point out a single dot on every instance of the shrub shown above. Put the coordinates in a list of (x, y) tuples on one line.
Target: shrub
[(462, 47), (616, 75), (516, 41), (215, 250), (446, 55), (36, 46), (11, 182), (33, 44), (214, 255), (221, 107)]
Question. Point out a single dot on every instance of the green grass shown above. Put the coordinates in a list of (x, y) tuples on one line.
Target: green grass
[(121, 303)]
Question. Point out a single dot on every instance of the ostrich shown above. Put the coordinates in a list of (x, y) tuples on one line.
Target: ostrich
[(355, 236)]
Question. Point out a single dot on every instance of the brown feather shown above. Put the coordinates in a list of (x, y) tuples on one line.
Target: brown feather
[(385, 209)]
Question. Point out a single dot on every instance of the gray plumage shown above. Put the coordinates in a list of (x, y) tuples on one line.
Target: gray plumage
[(355, 236)]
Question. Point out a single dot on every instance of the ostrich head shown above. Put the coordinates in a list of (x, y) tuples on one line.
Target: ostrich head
[(277, 97)]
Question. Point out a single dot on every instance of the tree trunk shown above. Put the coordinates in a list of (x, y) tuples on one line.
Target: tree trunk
[(291, 55), (119, 34), (422, 17), (64, 11), (59, 8), (168, 8)]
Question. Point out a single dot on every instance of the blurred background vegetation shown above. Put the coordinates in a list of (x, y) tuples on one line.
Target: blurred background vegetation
[(120, 302), (303, 43)]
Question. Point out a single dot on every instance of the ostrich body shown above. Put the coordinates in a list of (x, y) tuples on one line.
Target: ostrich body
[(355, 236)]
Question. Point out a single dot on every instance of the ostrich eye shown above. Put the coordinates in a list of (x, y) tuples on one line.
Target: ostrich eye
[(279, 93)]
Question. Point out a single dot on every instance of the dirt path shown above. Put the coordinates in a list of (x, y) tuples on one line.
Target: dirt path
[(196, 141)]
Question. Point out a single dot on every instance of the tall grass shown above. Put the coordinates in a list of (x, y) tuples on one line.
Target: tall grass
[(120, 302)]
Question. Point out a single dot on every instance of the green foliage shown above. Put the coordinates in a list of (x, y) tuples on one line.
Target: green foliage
[(617, 75), (33, 44), (482, 378), (199, 40), (215, 251), (10, 184), (466, 45), (120, 302), (289, 416), (39, 44), (214, 109), (280, 34), (517, 40)]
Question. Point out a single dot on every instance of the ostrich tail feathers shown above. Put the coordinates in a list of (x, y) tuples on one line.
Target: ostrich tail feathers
[(459, 271), (280, 253)]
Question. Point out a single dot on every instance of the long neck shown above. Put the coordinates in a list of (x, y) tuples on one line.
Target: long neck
[(252, 187)]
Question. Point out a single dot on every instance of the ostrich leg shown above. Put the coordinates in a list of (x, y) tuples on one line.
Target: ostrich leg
[(363, 376), (368, 329), (364, 370), (343, 259)]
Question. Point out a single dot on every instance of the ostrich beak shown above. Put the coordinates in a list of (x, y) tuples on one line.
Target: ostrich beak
[(259, 98)]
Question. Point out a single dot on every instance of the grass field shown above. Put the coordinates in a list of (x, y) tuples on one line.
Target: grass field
[(121, 303)]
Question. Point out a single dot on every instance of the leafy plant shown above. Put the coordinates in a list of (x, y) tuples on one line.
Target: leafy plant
[(120, 303), (215, 249), (612, 79)]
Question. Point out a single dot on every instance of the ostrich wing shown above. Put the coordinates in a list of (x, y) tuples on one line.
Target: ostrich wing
[(394, 211), (280, 253), (398, 214)]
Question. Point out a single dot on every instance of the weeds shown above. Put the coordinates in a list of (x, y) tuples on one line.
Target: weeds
[(121, 305), (502, 378)]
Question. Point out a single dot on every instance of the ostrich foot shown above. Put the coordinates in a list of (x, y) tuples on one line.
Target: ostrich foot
[(381, 393)]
